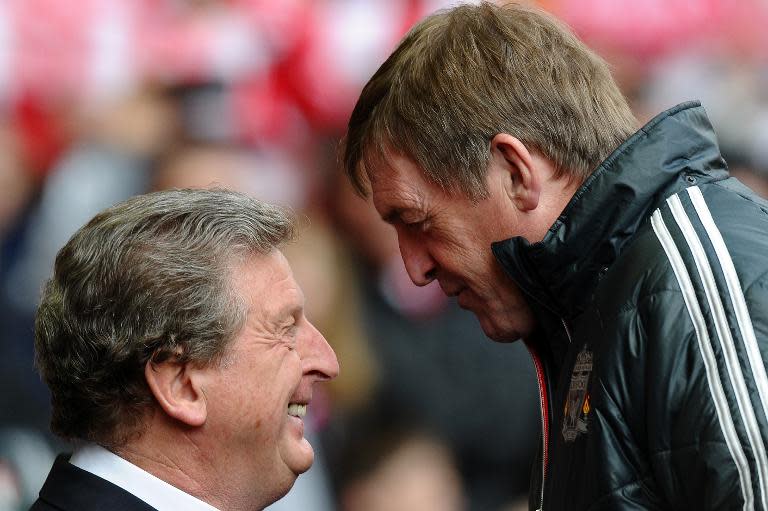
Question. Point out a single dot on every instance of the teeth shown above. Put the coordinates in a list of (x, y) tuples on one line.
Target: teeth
[(297, 410)]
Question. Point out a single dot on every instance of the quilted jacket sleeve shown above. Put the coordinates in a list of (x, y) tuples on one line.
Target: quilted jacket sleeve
[(702, 452)]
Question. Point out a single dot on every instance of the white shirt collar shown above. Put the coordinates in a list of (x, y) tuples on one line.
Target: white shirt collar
[(152, 490)]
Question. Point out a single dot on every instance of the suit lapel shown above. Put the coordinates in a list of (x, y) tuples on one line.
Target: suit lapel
[(72, 489)]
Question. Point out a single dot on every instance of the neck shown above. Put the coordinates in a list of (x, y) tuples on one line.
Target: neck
[(182, 460), (168, 464)]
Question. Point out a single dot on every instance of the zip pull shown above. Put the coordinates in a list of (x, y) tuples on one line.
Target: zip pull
[(567, 333)]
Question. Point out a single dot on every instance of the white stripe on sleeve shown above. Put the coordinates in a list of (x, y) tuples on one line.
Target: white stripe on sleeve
[(708, 357), (732, 364), (738, 300)]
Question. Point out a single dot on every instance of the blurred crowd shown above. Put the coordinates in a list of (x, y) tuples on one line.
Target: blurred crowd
[(104, 99)]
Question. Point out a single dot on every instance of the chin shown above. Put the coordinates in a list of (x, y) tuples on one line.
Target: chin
[(301, 460), (496, 333), (302, 467)]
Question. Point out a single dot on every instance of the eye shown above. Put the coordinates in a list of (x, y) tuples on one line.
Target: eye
[(415, 220), (421, 225), (289, 338)]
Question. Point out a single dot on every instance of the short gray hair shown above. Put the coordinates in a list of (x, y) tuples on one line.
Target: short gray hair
[(145, 280)]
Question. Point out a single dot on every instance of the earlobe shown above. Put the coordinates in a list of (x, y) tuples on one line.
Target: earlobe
[(177, 389), (514, 158)]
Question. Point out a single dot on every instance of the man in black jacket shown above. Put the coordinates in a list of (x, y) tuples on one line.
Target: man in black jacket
[(634, 267), (173, 338)]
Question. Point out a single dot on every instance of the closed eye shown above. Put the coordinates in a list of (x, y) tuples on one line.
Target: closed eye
[(421, 225), (290, 339), (288, 328)]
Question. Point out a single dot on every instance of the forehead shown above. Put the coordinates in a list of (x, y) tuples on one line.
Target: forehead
[(400, 185), (266, 283)]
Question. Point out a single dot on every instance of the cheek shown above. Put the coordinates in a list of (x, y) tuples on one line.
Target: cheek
[(460, 255), (259, 393), (477, 263), (291, 369)]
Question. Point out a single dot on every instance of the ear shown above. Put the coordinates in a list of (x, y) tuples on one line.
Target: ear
[(523, 182), (177, 389)]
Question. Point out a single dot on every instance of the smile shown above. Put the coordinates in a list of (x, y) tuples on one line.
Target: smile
[(297, 410)]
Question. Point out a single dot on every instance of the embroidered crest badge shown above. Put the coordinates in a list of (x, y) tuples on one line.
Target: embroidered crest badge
[(577, 405)]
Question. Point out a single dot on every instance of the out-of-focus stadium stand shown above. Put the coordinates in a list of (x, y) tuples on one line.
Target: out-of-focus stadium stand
[(103, 99)]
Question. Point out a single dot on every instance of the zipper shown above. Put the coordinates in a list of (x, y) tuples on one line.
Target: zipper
[(544, 404)]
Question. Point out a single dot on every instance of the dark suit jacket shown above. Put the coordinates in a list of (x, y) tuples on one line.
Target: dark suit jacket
[(69, 488)]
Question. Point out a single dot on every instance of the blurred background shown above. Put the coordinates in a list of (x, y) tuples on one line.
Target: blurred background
[(104, 99)]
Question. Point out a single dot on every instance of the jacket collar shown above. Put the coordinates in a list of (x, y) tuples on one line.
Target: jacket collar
[(71, 488), (673, 150)]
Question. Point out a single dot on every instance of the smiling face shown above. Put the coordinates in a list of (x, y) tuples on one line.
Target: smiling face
[(258, 395), (448, 238)]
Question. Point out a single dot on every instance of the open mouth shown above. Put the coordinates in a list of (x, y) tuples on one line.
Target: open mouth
[(297, 410)]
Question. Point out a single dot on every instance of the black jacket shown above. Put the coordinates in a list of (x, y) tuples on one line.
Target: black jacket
[(70, 488), (652, 292)]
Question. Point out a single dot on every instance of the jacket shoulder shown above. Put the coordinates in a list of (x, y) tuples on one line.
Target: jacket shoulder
[(721, 226), (69, 488), (41, 505), (691, 302)]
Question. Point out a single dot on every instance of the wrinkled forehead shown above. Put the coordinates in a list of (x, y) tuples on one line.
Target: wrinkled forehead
[(388, 191), (381, 177), (381, 156), (266, 281), (395, 173), (386, 164), (400, 190), (377, 163)]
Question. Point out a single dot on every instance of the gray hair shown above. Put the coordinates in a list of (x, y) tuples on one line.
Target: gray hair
[(145, 280)]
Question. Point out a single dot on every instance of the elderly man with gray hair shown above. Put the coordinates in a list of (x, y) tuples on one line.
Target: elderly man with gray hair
[(173, 338)]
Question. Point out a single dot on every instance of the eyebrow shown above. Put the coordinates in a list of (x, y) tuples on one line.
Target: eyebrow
[(289, 310)]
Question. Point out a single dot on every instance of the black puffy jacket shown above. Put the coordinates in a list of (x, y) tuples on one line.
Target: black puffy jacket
[(652, 292)]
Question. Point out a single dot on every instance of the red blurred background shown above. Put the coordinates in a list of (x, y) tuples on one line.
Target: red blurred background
[(104, 99)]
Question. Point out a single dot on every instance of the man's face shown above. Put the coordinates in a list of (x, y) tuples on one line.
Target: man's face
[(257, 398), (448, 238)]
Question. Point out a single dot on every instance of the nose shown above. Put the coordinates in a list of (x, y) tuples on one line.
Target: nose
[(317, 356), (419, 264)]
